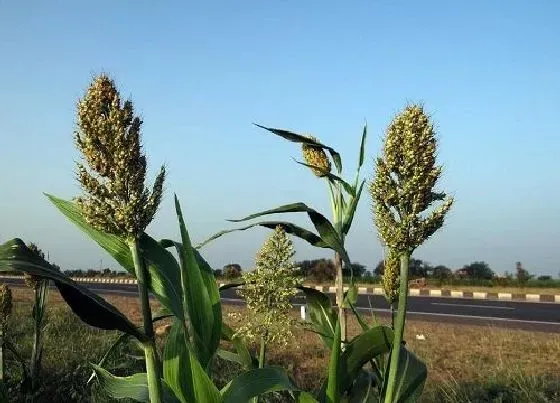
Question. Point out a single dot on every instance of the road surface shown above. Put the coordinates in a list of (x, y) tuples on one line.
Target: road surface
[(535, 316)]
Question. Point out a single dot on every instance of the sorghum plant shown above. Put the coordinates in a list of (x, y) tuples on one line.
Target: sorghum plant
[(40, 287), (6, 306), (267, 291), (344, 199), (402, 191), (115, 198)]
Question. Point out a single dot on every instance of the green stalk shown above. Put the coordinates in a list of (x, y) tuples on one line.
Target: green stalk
[(150, 352), (39, 315), (399, 328), (262, 353)]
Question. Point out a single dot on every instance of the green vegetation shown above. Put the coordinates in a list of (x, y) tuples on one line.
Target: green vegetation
[(196, 356)]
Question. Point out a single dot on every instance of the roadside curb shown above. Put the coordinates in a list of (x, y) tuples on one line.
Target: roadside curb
[(413, 292)]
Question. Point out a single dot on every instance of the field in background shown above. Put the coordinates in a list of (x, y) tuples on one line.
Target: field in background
[(465, 363)]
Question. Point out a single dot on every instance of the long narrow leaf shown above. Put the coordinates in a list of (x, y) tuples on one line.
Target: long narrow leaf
[(256, 382), (246, 359), (362, 349), (133, 387), (197, 298), (92, 309), (321, 313), (334, 178), (183, 372), (411, 377), (290, 228), (350, 210), (333, 381), (162, 267), (362, 147), (298, 138)]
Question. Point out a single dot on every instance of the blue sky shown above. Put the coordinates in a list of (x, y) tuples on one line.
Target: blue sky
[(488, 72)]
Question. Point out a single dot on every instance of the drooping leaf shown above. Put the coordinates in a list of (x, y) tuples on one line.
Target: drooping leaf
[(133, 387), (321, 313), (230, 285), (328, 234), (332, 177), (361, 391), (243, 355), (197, 298), (333, 381), (411, 377), (183, 372), (256, 382), (350, 210), (92, 309), (162, 267), (290, 228), (362, 349), (298, 138)]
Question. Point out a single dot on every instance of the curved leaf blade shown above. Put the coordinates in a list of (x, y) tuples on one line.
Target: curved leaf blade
[(298, 138), (130, 387), (350, 210), (332, 177), (183, 372), (92, 309), (321, 313), (256, 382), (243, 355), (197, 297), (290, 228), (362, 349), (411, 376)]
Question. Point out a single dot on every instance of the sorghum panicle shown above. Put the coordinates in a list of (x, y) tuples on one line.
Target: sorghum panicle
[(405, 177), (317, 158), (108, 137), (267, 291)]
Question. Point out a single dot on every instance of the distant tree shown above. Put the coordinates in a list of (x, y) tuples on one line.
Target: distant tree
[(322, 270), (380, 268), (478, 270), (358, 270), (522, 274), (544, 278), (442, 273), (231, 271), (106, 272), (418, 268), (217, 273)]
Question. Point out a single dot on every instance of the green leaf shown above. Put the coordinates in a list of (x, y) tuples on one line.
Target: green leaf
[(230, 285), (298, 138), (202, 311), (183, 372), (362, 391), (362, 349), (333, 381), (362, 147), (350, 296), (122, 339), (411, 377), (329, 236), (133, 387), (350, 210), (164, 277), (321, 313), (332, 177), (290, 228), (256, 382), (243, 356), (92, 309)]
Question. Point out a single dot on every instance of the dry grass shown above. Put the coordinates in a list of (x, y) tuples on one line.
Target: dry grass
[(457, 355)]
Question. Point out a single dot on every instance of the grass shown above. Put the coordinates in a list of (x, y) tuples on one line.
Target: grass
[(465, 363)]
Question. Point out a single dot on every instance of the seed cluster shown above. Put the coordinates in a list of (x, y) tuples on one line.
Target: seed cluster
[(317, 158), (390, 278), (6, 304), (403, 186), (108, 137), (267, 291)]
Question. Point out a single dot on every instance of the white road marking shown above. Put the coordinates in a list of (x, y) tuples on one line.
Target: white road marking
[(474, 306)]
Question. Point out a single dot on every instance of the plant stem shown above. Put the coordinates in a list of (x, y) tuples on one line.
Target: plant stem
[(340, 295), (150, 352), (399, 328), (39, 311), (262, 353)]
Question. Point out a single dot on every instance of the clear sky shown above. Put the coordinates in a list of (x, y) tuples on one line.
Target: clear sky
[(488, 72)]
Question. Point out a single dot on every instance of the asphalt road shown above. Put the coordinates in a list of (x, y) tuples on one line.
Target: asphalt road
[(535, 316)]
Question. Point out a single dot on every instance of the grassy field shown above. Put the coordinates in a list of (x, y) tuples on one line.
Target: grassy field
[(466, 363)]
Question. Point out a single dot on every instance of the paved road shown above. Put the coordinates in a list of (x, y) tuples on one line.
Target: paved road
[(535, 316)]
